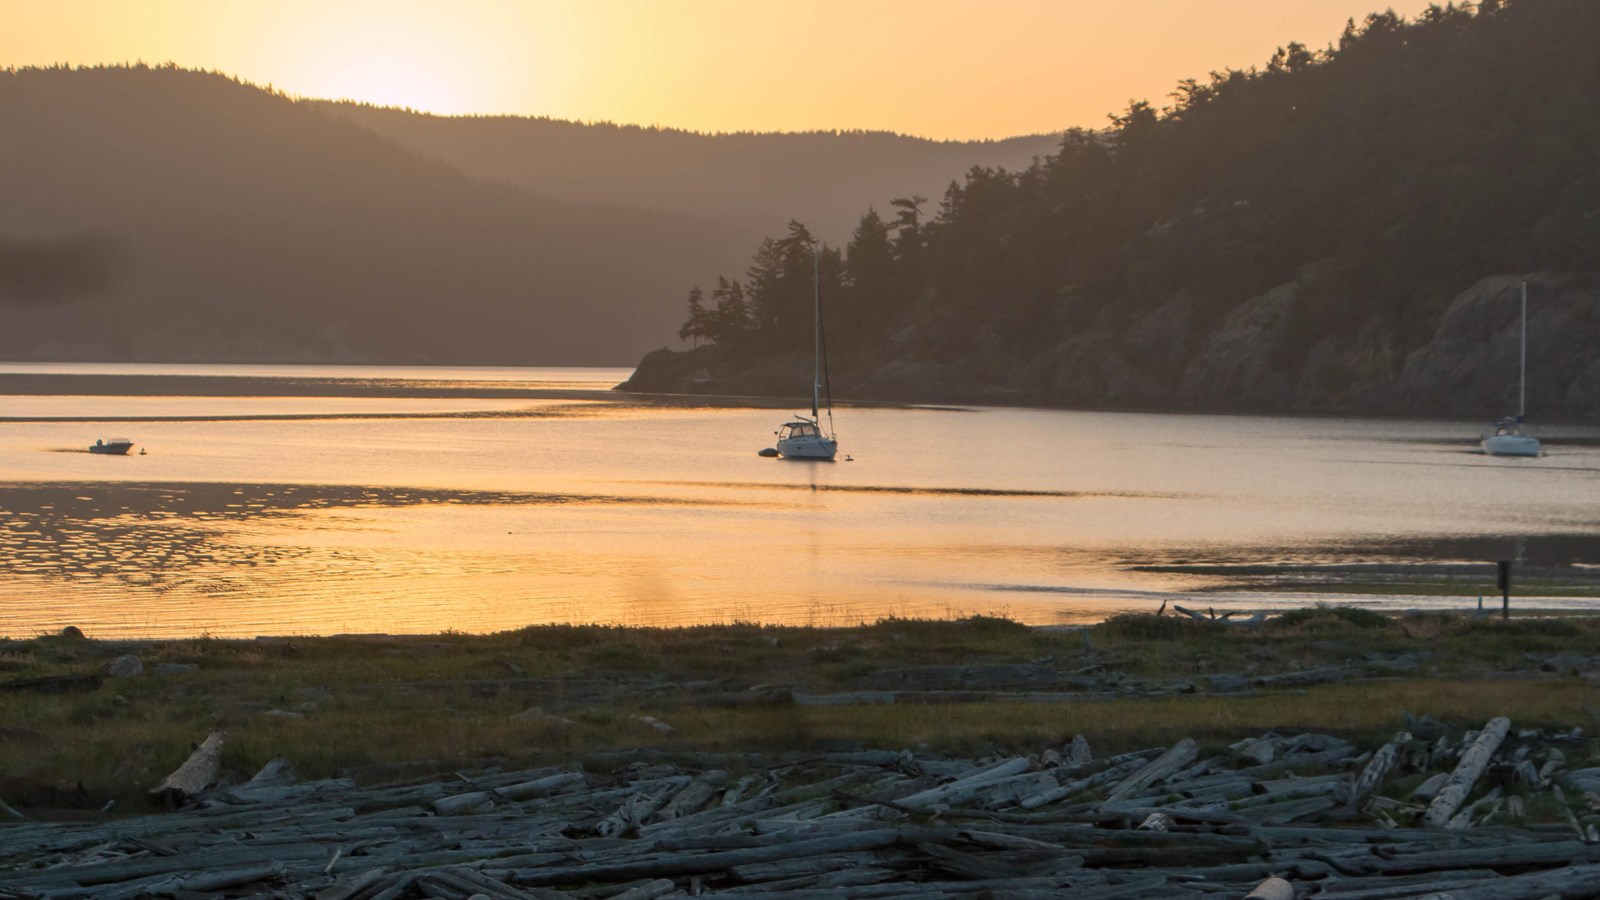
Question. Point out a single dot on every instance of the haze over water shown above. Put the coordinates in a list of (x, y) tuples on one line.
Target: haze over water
[(284, 500)]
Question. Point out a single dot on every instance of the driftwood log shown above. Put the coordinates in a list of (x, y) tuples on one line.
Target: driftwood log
[(1466, 774), (197, 773), (1317, 817)]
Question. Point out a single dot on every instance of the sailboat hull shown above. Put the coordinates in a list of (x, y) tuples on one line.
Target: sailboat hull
[(808, 448), (1511, 445), (1506, 437)]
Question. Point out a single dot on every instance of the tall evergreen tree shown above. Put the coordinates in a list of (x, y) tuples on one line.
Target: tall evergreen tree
[(698, 324)]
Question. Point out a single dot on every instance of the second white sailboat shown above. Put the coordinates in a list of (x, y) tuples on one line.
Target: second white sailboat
[(1506, 437)]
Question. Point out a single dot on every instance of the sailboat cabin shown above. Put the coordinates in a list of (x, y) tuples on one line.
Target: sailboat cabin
[(792, 430)]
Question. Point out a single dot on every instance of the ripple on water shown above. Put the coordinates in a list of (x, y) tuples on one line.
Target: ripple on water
[(133, 541)]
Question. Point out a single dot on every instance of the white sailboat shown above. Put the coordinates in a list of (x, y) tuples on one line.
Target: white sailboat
[(1506, 437), (806, 438)]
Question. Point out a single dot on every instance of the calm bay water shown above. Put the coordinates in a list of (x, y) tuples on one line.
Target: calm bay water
[(336, 499)]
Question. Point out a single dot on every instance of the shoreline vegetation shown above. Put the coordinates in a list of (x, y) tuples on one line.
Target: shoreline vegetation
[(1327, 748), (377, 707), (1238, 250)]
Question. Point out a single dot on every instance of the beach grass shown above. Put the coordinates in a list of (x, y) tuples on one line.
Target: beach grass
[(381, 707)]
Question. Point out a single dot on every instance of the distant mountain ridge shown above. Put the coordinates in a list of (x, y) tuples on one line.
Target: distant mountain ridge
[(163, 214), (756, 181)]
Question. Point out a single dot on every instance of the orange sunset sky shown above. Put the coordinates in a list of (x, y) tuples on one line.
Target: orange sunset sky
[(936, 68)]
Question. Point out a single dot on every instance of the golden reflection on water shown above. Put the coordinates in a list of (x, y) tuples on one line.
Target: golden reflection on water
[(286, 513), (226, 559)]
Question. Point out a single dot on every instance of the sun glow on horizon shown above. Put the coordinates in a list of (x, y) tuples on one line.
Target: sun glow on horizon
[(948, 69), (407, 54)]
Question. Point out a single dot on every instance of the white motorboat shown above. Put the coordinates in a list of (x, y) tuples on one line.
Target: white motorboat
[(1506, 437), (115, 446), (806, 438)]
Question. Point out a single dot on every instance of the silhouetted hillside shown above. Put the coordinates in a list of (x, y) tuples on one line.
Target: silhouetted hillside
[(1339, 230), (756, 181), (164, 214)]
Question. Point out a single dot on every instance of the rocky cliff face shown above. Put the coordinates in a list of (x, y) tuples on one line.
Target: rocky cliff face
[(1250, 359), (1471, 363)]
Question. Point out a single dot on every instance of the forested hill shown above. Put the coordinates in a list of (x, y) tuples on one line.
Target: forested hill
[(157, 213), (754, 181), (1339, 229)]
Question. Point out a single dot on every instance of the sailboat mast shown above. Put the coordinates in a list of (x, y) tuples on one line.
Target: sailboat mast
[(1522, 369), (816, 356)]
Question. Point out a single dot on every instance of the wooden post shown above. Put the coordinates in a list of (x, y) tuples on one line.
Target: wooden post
[(1505, 588)]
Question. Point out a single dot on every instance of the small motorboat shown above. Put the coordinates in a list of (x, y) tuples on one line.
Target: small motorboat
[(115, 446)]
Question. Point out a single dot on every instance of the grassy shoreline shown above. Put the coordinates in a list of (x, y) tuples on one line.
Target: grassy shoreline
[(379, 707)]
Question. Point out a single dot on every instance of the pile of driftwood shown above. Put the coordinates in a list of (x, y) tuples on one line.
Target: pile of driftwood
[(1493, 813)]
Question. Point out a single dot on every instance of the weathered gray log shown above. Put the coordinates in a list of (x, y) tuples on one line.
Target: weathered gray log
[(105, 873), (854, 698), (465, 882), (499, 888), (1290, 810), (638, 809), (1299, 763), (1376, 770), (647, 891), (1430, 786), (1005, 792), (196, 773), (1303, 678), (678, 864), (1386, 887), (353, 885), (1549, 853), (1312, 787), (473, 801), (973, 865), (215, 881), (276, 771), (1115, 772), (1272, 889), (1259, 750), (1156, 821), (1574, 882), (1086, 850), (1197, 770), (791, 868), (1181, 754), (305, 796), (694, 795), (968, 785), (1552, 765), (1466, 773), (399, 884), (55, 684)]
